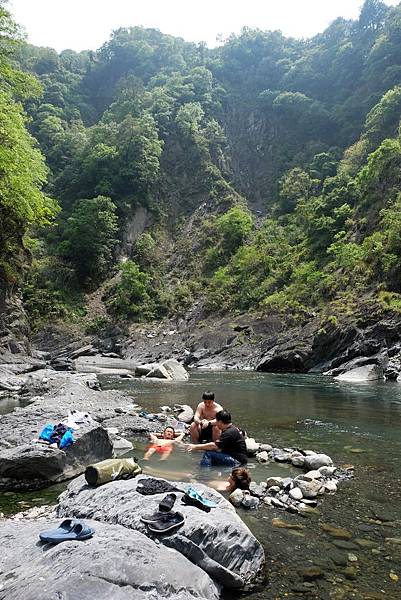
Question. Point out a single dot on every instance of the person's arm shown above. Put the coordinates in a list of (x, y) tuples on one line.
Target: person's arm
[(153, 438), (198, 415), (213, 421), (201, 447), (180, 437)]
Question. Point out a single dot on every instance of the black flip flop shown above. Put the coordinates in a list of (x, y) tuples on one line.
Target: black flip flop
[(167, 503)]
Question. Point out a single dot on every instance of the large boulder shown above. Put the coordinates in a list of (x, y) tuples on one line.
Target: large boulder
[(158, 372), (365, 373), (176, 370), (185, 413), (116, 563), (33, 466), (217, 541)]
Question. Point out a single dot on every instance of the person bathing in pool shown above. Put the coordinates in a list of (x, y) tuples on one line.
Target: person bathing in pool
[(164, 445), (240, 478)]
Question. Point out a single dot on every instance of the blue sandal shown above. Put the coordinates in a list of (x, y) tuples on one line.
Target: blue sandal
[(70, 529)]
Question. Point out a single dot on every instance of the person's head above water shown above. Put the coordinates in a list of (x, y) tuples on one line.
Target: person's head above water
[(169, 433), (239, 478)]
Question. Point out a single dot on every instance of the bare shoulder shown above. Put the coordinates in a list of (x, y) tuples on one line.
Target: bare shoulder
[(219, 407)]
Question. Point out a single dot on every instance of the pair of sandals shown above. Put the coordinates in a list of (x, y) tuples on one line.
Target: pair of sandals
[(164, 519), (69, 529)]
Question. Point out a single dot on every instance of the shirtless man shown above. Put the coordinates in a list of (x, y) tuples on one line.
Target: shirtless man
[(204, 428), (164, 445)]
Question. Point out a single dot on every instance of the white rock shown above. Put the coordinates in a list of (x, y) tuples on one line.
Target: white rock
[(316, 474), (310, 489), (296, 494), (236, 497), (298, 461), (251, 446), (330, 487), (316, 461), (266, 447), (327, 471), (262, 457)]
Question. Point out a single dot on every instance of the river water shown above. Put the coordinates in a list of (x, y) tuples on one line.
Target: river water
[(358, 424)]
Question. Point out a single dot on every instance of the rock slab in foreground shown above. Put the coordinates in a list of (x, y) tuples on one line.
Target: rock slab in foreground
[(117, 563), (217, 541)]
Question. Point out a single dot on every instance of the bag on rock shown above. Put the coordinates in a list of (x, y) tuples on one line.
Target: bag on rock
[(111, 470)]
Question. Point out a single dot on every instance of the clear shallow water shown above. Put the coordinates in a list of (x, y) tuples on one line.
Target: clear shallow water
[(353, 423), (357, 424)]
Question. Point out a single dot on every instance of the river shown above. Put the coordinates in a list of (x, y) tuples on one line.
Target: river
[(357, 424)]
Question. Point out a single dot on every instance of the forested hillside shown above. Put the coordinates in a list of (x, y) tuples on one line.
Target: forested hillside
[(263, 175)]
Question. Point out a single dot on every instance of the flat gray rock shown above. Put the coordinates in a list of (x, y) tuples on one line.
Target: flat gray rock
[(217, 541), (115, 564)]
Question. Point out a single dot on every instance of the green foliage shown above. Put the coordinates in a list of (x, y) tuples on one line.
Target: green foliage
[(134, 295), (89, 241), (149, 126)]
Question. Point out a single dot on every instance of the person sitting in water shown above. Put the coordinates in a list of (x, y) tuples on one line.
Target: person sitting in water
[(240, 478), (228, 450), (164, 445), (204, 428)]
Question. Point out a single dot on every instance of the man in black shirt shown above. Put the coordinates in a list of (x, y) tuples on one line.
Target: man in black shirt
[(229, 450)]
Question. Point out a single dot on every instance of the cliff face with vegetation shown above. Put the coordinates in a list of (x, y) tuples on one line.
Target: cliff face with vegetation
[(156, 178)]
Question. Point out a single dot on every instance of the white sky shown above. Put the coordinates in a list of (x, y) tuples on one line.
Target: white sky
[(87, 24)]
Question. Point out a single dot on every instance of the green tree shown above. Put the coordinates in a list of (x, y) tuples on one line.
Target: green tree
[(89, 238)]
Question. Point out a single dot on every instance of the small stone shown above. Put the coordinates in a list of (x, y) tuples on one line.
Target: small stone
[(274, 489), (330, 487), (365, 543), (296, 494), (285, 525), (266, 447), (251, 446), (393, 576), (273, 481), (298, 461), (236, 497), (262, 457), (395, 541), (352, 557), (310, 475), (310, 573), (338, 558), (318, 460), (345, 545), (327, 471), (350, 573), (336, 532)]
